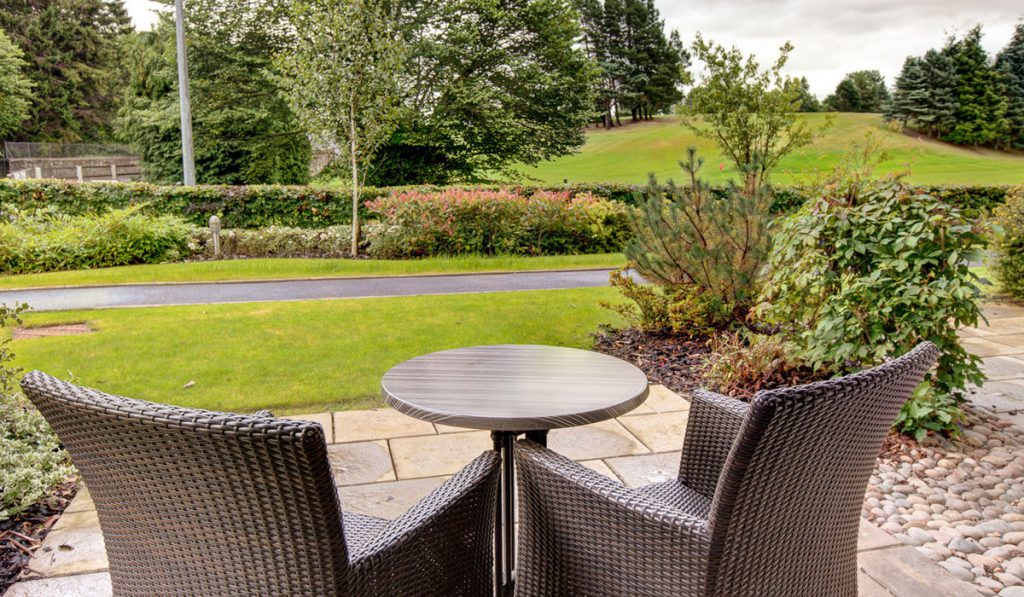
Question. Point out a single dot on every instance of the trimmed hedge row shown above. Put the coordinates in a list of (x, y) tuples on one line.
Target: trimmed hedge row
[(259, 206)]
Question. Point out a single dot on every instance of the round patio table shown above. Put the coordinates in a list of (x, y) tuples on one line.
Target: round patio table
[(513, 389)]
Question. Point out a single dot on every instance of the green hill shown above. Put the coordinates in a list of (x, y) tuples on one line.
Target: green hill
[(629, 153)]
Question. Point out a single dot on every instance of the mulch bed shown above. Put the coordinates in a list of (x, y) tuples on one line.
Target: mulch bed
[(22, 535), (666, 359)]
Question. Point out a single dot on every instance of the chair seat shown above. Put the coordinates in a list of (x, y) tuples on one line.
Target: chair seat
[(680, 496), (360, 529)]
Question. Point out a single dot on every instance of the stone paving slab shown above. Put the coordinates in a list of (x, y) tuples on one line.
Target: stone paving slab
[(361, 462), (661, 399), (905, 571), (71, 551), (1000, 395), (1003, 367), (324, 419), (386, 500), (82, 585), (597, 440), (635, 471), (383, 423), (435, 455), (660, 432)]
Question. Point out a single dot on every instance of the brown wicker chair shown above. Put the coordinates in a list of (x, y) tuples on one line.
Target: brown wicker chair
[(194, 502), (767, 501)]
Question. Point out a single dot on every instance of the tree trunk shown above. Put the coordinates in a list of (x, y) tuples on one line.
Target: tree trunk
[(355, 174)]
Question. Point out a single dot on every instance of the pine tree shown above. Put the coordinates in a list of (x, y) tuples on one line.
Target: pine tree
[(980, 113), (860, 91), (15, 88), (1010, 64), (72, 49), (910, 94), (938, 114), (801, 89)]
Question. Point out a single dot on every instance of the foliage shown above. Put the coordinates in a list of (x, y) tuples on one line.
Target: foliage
[(489, 85), (859, 91), (1010, 65), (647, 306), (32, 462), (15, 88), (259, 206), (341, 79), (640, 69), (686, 236), (740, 364), (244, 131), (806, 101), (73, 51), (749, 112), (870, 269), (927, 411), (958, 95), (44, 240), (1009, 245), (454, 222), (275, 241)]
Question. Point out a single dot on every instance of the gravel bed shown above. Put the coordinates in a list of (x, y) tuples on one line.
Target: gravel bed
[(961, 503)]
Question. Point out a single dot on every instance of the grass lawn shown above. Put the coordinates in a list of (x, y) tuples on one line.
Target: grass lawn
[(295, 357), (270, 269), (629, 153)]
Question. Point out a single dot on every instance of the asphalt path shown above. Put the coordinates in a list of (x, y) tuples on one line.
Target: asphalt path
[(156, 295)]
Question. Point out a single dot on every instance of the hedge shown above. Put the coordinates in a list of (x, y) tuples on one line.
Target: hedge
[(260, 206)]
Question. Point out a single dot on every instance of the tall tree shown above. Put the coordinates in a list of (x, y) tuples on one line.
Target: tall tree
[(749, 112), (72, 49), (806, 100), (1010, 64), (342, 80), (980, 113), (15, 88), (245, 133), (488, 85), (860, 91), (939, 103)]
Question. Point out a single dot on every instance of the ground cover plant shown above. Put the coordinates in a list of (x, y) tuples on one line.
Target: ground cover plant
[(1009, 245), (295, 356)]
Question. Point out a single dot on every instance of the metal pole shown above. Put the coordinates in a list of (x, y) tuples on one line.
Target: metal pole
[(187, 159)]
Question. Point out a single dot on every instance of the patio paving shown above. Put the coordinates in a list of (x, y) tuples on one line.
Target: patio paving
[(384, 462)]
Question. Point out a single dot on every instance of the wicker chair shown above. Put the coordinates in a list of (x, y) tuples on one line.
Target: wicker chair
[(194, 502), (767, 501)]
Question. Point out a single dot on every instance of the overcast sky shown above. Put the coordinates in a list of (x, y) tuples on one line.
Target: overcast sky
[(831, 37)]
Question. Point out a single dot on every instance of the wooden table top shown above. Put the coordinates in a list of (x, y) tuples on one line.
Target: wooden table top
[(514, 387)]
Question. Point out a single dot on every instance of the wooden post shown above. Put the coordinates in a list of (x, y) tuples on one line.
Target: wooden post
[(113, 172), (78, 173)]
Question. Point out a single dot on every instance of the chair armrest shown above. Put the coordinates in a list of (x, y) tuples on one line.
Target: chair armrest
[(581, 533), (440, 544), (711, 428)]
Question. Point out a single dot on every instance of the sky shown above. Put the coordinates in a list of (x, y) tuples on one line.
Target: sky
[(831, 37)]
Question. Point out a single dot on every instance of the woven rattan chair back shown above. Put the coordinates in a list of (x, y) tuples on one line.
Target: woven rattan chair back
[(786, 510), (193, 502)]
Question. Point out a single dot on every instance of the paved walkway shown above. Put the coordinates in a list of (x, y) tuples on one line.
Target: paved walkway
[(151, 295), (384, 462)]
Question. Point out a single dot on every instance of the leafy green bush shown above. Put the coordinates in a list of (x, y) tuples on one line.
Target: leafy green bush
[(276, 241), (32, 462), (686, 237), (869, 270), (455, 221), (1009, 219), (43, 240), (259, 206)]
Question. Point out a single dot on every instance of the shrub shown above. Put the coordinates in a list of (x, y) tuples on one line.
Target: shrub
[(688, 237), (454, 221), (1009, 219), (740, 364), (32, 462), (868, 270), (43, 240), (651, 308), (275, 241), (259, 206)]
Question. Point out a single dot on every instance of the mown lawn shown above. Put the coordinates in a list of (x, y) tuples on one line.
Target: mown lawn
[(276, 269), (295, 357), (629, 153)]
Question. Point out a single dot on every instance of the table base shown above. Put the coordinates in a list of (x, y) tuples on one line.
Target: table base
[(505, 513)]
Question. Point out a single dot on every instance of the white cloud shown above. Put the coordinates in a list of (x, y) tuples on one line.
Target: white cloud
[(833, 38), (143, 13)]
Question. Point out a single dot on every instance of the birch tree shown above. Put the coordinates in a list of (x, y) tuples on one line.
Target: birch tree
[(342, 80)]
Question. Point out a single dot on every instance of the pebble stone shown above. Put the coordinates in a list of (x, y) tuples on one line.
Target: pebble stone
[(959, 502)]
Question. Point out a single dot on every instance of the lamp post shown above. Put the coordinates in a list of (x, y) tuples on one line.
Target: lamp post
[(187, 159)]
